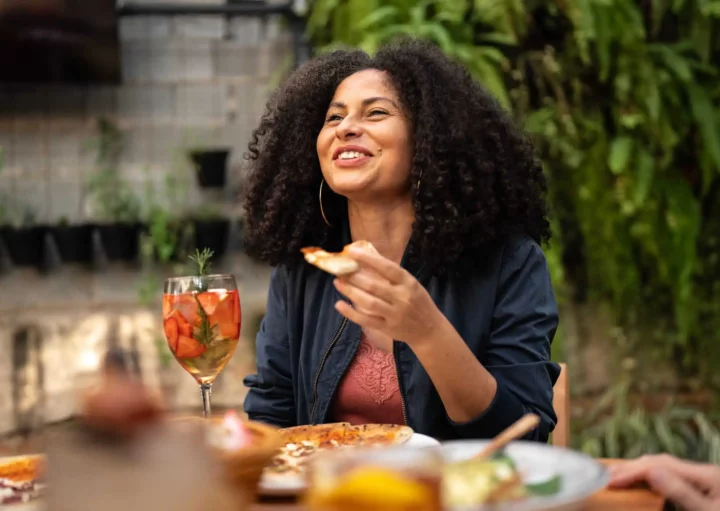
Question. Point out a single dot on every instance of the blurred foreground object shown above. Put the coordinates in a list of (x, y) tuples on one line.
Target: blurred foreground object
[(124, 456), (160, 469), (378, 479)]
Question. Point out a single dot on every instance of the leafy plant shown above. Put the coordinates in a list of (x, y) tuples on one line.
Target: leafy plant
[(614, 429), (113, 199), (622, 100)]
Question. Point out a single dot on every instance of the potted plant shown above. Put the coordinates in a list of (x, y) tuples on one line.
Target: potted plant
[(166, 238), (212, 230), (25, 241), (74, 242), (210, 166), (114, 202)]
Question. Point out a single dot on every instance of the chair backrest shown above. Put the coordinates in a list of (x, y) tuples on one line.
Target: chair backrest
[(561, 404)]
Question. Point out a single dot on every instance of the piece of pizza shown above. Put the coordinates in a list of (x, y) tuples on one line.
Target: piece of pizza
[(22, 468), (378, 434), (336, 263), (304, 442)]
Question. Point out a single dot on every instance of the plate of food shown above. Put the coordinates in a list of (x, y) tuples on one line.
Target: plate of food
[(286, 474), (21, 481), (524, 476)]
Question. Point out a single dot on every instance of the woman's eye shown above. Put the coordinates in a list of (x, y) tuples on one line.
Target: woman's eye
[(377, 112), (333, 117)]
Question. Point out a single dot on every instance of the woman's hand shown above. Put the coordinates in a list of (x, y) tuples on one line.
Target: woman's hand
[(694, 486), (388, 299)]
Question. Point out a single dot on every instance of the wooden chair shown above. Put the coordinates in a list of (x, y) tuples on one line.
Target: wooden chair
[(561, 404)]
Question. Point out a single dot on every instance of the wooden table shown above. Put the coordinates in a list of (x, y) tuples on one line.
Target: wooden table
[(605, 500)]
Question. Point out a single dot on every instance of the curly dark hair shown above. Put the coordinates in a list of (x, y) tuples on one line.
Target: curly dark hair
[(479, 179)]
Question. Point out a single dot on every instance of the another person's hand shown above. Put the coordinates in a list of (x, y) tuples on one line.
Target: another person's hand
[(694, 486), (387, 298)]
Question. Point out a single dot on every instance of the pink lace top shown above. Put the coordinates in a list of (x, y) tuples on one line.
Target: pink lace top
[(369, 392)]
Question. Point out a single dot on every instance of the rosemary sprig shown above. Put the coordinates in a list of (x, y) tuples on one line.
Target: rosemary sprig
[(201, 262), (206, 332), (201, 267)]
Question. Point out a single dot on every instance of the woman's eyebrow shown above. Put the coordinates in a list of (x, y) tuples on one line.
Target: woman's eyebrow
[(365, 102)]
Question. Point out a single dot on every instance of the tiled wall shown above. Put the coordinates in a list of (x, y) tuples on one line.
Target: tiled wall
[(187, 81)]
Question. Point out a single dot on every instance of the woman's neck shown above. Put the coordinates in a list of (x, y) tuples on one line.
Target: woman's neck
[(388, 226)]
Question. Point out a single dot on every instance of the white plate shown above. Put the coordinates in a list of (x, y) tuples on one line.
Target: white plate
[(286, 486), (581, 476)]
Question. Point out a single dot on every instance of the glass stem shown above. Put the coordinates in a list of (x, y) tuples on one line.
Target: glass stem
[(206, 389)]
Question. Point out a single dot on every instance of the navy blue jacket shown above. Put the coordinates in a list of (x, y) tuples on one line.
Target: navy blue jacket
[(504, 309)]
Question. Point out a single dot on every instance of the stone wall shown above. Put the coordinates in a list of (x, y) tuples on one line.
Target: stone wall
[(187, 81)]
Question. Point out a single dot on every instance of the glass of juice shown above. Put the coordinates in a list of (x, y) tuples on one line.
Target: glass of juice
[(376, 479), (201, 320)]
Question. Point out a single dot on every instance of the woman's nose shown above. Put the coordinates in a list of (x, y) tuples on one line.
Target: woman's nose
[(348, 128)]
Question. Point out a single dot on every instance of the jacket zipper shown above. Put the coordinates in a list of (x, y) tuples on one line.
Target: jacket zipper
[(334, 341), (397, 372)]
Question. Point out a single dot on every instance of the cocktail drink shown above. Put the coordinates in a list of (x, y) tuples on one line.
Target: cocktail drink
[(201, 320), (376, 479)]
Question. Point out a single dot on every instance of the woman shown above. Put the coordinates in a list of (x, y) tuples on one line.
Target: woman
[(447, 328)]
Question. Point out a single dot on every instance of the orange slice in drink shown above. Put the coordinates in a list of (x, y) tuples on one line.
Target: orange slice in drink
[(224, 316), (187, 347), (170, 326), (209, 301)]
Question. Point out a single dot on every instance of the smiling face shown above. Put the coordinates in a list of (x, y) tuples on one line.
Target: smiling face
[(365, 147)]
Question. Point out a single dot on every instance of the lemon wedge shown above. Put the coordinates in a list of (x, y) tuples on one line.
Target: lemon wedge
[(373, 489)]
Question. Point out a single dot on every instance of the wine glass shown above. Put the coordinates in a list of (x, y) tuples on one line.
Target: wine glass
[(201, 320)]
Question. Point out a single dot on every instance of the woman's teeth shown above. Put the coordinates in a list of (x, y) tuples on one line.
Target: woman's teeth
[(349, 155)]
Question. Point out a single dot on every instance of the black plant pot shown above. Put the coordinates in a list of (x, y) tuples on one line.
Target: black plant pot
[(212, 234), (120, 241), (25, 245), (210, 167), (74, 242)]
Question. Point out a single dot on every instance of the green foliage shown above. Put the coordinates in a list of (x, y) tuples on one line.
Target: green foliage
[(627, 432), (112, 198), (621, 98)]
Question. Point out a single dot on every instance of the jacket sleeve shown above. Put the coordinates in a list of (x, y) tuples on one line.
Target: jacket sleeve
[(524, 322), (270, 398)]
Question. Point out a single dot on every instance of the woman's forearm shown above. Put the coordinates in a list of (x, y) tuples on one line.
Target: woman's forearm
[(466, 388)]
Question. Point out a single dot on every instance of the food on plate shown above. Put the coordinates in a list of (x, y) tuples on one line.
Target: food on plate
[(487, 481), (21, 478), (302, 442), (336, 263)]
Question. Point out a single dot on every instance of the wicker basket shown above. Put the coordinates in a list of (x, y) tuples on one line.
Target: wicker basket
[(244, 467)]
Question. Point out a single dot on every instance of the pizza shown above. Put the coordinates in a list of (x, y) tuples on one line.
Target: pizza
[(303, 442), (336, 263), (21, 478)]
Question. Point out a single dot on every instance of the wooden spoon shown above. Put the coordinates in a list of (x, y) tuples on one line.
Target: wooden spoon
[(516, 430)]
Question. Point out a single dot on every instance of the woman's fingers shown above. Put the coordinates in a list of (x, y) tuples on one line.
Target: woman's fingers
[(362, 300), (358, 317), (704, 476), (678, 490), (385, 267), (372, 283)]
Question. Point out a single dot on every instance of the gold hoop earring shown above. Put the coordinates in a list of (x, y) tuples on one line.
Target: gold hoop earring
[(417, 190), (322, 210)]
